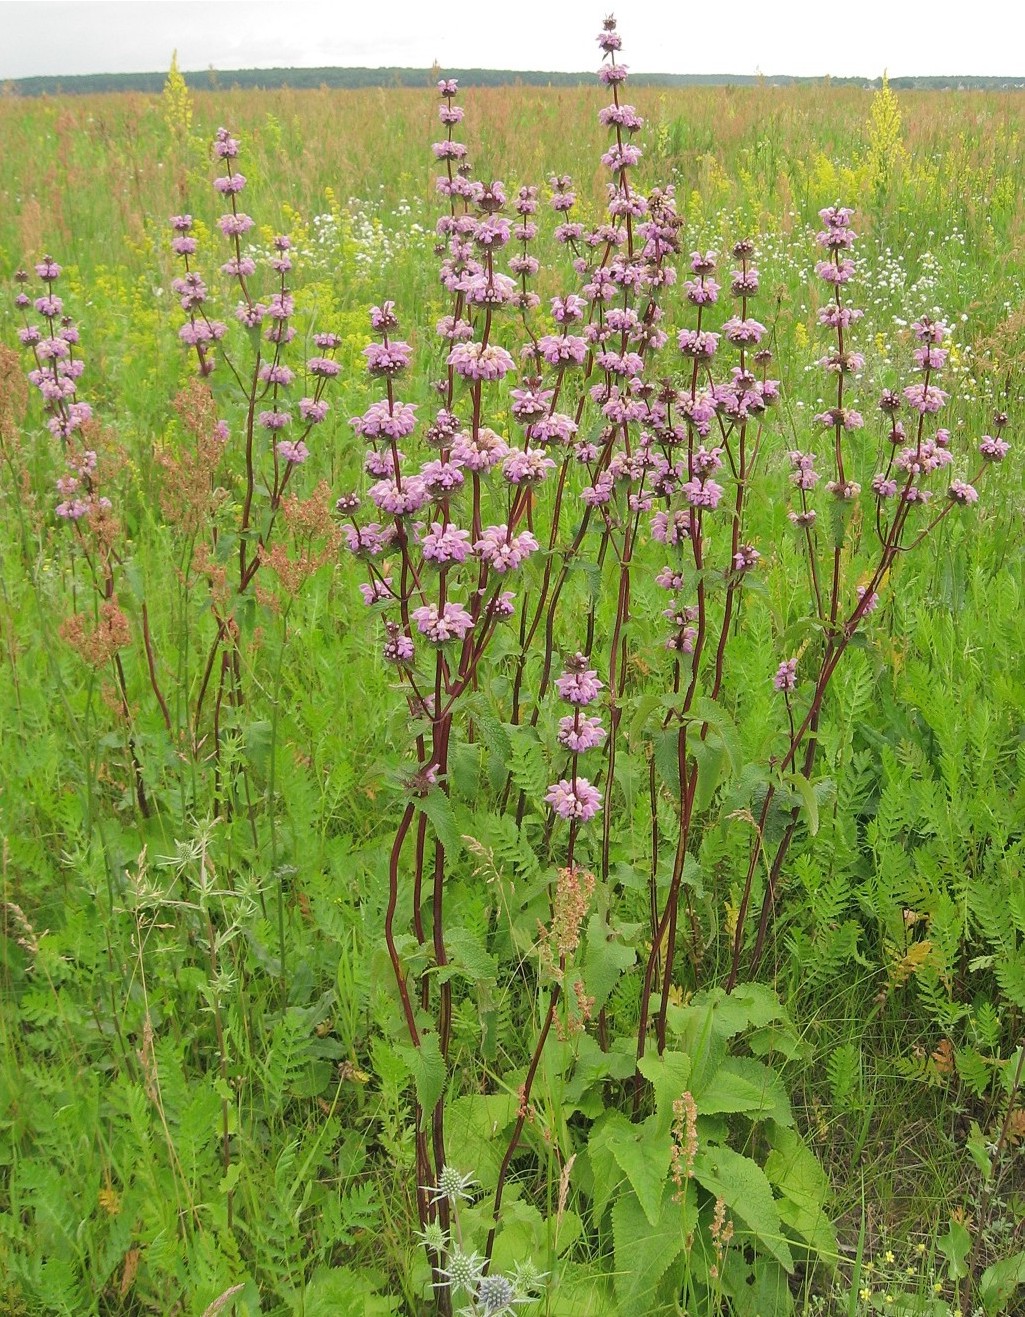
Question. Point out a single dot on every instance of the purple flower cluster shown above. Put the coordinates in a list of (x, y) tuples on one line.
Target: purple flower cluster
[(575, 798), (785, 679), (53, 342), (579, 684), (480, 361), (916, 456), (657, 453), (80, 499), (465, 454), (837, 238), (441, 624), (502, 550), (682, 633), (580, 731), (445, 545), (201, 332)]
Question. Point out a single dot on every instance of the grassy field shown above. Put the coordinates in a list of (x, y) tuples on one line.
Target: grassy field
[(310, 997)]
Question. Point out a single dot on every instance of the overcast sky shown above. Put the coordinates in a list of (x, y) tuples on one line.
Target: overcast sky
[(811, 37)]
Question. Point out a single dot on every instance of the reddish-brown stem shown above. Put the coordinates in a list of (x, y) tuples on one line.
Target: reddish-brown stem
[(147, 641), (389, 923), (521, 1118), (835, 652)]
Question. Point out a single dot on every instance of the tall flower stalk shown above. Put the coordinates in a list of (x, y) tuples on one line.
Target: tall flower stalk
[(903, 492), (621, 463), (276, 432)]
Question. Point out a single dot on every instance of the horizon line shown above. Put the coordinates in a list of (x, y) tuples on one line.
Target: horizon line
[(467, 73)]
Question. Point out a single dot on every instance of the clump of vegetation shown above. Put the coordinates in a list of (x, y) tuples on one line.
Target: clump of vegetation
[(560, 927)]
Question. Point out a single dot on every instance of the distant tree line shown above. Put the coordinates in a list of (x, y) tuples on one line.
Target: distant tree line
[(268, 79)]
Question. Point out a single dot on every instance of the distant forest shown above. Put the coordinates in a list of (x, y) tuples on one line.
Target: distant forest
[(267, 79)]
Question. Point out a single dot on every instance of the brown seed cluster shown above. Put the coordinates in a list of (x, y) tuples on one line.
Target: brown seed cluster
[(97, 642), (189, 495), (13, 397), (685, 1140)]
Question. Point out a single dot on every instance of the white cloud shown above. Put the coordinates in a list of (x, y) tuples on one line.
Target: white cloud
[(664, 36)]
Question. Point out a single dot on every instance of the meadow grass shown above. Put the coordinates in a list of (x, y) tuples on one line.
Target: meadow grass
[(204, 1082)]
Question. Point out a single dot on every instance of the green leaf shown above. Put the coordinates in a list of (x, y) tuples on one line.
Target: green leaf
[(748, 1006), (590, 571), (427, 1067), (978, 1150), (644, 706), (1011, 1070), (465, 763), (669, 1075), (527, 765), (999, 1281), (474, 1129), (605, 959), (584, 1089), (521, 1235), (644, 1251), (972, 1070), (1010, 974), (839, 515), (761, 1004), (794, 1170), (389, 1063), (666, 753), (342, 1292), (643, 1153), (955, 1246), (229, 1179), (710, 761), (807, 793), (438, 808), (695, 1026), (843, 1070), (756, 1290), (467, 958), (492, 732), (745, 1189), (257, 738), (605, 1170), (719, 721), (745, 1086), (629, 778)]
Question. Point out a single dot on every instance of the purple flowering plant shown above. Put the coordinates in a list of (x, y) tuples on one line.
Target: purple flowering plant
[(275, 539), (632, 454), (592, 470), (246, 539)]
